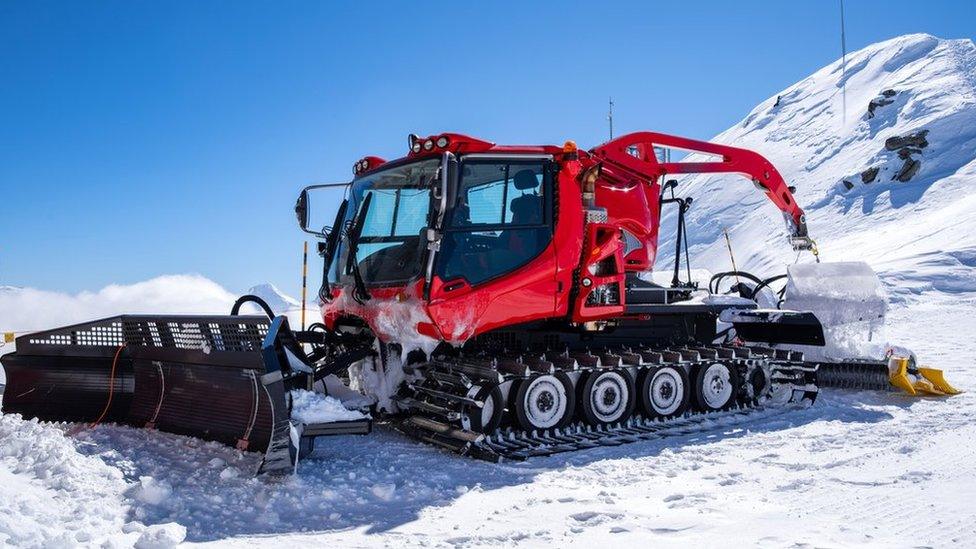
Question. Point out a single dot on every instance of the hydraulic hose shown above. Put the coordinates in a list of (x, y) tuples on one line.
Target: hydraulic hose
[(716, 281), (111, 387), (766, 283), (236, 309)]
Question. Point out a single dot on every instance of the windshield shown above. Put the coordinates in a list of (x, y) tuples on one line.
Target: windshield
[(390, 247)]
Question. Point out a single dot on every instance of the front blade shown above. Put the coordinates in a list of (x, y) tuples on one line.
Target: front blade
[(848, 300), (775, 326)]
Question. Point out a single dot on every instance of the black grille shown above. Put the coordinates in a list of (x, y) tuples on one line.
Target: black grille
[(203, 334), (105, 334)]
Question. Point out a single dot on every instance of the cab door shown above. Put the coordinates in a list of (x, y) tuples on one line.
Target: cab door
[(496, 264)]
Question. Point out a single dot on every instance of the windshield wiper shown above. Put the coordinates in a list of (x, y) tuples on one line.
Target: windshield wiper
[(331, 243), (360, 294)]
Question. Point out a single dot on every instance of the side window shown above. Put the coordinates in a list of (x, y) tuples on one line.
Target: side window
[(501, 194), (500, 220), (485, 204)]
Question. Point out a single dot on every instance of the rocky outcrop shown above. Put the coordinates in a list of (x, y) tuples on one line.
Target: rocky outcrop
[(869, 175), (913, 140), (909, 148), (880, 101)]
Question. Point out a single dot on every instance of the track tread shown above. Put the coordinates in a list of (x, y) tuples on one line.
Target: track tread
[(510, 442)]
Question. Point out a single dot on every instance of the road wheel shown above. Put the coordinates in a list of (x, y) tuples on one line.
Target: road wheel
[(665, 392), (541, 402), (487, 418), (607, 396), (714, 387)]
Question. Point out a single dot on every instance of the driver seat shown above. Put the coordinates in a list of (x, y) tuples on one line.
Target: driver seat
[(526, 209)]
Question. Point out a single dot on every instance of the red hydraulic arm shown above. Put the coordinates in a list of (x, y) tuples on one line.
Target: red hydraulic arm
[(634, 153)]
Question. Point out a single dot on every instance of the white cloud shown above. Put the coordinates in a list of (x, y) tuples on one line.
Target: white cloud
[(29, 309)]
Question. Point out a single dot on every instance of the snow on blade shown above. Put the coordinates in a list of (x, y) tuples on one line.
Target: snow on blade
[(848, 300), (312, 407)]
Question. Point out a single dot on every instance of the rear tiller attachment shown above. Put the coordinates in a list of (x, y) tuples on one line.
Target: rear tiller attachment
[(835, 313)]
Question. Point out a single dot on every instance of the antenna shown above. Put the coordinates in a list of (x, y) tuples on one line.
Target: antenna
[(843, 65), (610, 117)]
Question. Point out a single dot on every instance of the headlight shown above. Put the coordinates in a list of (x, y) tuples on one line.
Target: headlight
[(415, 148), (429, 144), (443, 141)]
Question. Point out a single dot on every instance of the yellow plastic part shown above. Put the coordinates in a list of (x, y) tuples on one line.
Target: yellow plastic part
[(929, 380), (898, 374), (936, 378)]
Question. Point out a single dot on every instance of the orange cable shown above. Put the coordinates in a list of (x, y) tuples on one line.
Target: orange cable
[(111, 386)]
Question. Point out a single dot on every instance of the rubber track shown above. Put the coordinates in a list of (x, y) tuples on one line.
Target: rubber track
[(521, 446), (515, 444)]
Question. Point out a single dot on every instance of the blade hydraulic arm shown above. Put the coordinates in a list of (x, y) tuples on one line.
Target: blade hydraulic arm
[(634, 154)]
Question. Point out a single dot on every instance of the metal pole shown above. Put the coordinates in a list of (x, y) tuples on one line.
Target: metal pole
[(610, 118), (843, 64), (728, 242), (304, 279)]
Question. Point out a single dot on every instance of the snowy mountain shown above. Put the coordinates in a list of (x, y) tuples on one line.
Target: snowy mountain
[(891, 180), (276, 299)]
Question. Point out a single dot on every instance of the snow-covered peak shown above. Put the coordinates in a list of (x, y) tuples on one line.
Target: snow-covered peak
[(891, 179), (279, 302)]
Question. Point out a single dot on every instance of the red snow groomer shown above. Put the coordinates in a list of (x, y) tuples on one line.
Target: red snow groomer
[(497, 301)]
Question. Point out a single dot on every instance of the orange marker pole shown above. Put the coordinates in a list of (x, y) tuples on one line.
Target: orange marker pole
[(304, 279)]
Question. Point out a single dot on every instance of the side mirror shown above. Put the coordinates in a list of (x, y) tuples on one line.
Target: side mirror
[(301, 210), (316, 205)]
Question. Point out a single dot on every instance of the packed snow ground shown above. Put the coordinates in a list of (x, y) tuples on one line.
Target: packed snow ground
[(856, 467)]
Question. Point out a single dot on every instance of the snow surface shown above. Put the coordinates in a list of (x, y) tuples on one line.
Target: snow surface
[(878, 469), (53, 494), (865, 468)]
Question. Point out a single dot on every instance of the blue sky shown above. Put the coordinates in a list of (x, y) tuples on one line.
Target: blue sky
[(139, 139)]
